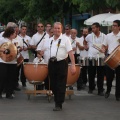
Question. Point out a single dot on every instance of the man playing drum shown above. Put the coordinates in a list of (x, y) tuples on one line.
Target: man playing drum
[(93, 42), (112, 41)]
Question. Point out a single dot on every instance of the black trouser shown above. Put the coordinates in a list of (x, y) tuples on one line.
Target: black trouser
[(58, 77), (22, 77), (11, 78), (92, 70), (82, 77), (3, 76), (110, 76)]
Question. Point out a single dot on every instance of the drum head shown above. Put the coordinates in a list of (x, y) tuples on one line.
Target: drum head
[(13, 51)]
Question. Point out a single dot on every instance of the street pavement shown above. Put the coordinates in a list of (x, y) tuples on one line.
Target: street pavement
[(82, 106)]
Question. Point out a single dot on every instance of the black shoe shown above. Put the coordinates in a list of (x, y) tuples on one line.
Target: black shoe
[(90, 91), (9, 97), (17, 89), (0, 96), (100, 93), (107, 94), (117, 99), (70, 88), (57, 109), (24, 84)]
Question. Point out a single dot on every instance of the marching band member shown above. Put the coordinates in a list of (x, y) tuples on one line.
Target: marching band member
[(112, 41), (67, 30), (74, 40), (37, 38), (82, 80), (19, 44), (93, 42), (8, 71), (59, 48), (25, 53)]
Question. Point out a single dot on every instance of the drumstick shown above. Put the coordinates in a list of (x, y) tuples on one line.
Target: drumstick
[(96, 47)]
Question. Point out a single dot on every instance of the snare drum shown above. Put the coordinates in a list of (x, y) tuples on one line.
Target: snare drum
[(87, 61), (113, 60), (35, 71), (71, 79)]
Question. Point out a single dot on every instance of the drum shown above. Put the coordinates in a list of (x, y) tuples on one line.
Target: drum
[(113, 60), (86, 61), (35, 71), (71, 79)]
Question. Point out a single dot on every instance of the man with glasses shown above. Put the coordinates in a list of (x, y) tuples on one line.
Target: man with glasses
[(112, 41), (37, 38), (67, 30)]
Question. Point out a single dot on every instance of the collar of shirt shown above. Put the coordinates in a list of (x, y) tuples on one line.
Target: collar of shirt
[(100, 35), (40, 34), (60, 37), (118, 35)]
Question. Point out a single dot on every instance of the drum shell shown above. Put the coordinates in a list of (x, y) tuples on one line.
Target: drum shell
[(113, 60), (71, 79), (35, 72)]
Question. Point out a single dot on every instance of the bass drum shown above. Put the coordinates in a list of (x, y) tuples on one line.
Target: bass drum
[(113, 60), (35, 72), (71, 79)]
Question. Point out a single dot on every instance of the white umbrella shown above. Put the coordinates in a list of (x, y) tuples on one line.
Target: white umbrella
[(109, 21), (97, 18)]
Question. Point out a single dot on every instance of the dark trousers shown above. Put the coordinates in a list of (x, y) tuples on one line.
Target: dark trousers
[(22, 76), (82, 77), (92, 71), (3, 76), (58, 77), (110, 76)]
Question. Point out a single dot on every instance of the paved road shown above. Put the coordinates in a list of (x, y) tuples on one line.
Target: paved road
[(82, 106)]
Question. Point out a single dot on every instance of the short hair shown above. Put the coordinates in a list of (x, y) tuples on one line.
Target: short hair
[(23, 26), (117, 21), (96, 24), (48, 23), (68, 25), (8, 31), (59, 23), (11, 24)]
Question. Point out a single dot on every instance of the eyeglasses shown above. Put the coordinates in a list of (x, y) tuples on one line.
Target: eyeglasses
[(40, 26)]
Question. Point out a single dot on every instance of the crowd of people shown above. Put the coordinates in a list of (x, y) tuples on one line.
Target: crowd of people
[(55, 48)]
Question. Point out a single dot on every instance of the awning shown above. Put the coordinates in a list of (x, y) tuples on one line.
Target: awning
[(109, 21), (97, 18)]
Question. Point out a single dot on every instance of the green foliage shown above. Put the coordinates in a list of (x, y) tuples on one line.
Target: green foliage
[(48, 10)]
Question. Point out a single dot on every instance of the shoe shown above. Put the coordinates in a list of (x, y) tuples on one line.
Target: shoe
[(117, 99), (100, 93), (90, 91), (71, 88), (107, 94), (24, 84), (17, 89), (9, 97), (0, 96), (57, 109)]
